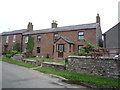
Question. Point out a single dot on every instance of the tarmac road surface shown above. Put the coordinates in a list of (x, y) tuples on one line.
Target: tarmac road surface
[(14, 76)]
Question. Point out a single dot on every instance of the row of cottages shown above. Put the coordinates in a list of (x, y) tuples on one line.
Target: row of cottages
[(55, 42)]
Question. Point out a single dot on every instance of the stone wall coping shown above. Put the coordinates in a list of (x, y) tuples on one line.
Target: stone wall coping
[(89, 57), (30, 60), (18, 54), (53, 63)]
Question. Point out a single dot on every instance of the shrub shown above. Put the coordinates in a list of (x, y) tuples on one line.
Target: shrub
[(16, 47), (4, 53), (76, 54), (82, 54), (8, 55), (14, 52)]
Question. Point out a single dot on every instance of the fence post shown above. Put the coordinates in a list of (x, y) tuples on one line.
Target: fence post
[(37, 60), (42, 60)]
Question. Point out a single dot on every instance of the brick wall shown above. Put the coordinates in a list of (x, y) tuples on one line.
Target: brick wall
[(46, 43), (10, 41)]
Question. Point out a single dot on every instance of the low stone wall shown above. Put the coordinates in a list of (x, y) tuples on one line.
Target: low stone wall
[(108, 67), (53, 66), (19, 57)]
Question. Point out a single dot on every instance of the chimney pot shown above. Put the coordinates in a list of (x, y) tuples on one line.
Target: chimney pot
[(98, 18), (54, 24), (30, 26)]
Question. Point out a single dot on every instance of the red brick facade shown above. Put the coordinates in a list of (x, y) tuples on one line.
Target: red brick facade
[(10, 41), (47, 45), (7, 46)]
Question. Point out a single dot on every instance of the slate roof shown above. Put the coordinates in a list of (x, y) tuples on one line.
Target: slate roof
[(14, 32), (116, 26), (68, 41), (65, 28)]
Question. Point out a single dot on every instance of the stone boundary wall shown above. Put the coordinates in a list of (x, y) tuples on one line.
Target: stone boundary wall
[(107, 67), (19, 57), (53, 66)]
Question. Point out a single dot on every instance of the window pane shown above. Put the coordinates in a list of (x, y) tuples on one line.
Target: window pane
[(26, 39), (81, 33), (64, 47), (81, 37), (14, 38), (55, 37), (38, 49), (7, 39), (38, 38), (79, 48)]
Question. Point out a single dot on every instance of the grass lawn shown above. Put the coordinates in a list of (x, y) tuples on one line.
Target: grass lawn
[(60, 62), (17, 62), (97, 80)]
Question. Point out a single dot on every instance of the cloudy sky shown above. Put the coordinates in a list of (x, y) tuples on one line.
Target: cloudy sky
[(15, 14)]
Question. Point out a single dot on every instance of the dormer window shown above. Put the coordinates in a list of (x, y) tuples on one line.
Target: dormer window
[(7, 39), (39, 38), (55, 36), (14, 38)]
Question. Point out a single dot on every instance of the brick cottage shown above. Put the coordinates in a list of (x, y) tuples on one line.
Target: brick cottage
[(55, 42)]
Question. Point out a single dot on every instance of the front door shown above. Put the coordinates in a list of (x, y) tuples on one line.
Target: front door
[(61, 48), (60, 54)]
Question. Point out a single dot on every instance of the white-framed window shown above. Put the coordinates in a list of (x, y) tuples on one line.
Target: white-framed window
[(7, 39), (26, 39), (55, 36), (80, 35), (14, 38), (60, 47), (79, 48), (39, 38)]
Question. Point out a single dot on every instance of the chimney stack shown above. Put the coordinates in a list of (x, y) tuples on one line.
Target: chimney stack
[(54, 24), (98, 19), (30, 26)]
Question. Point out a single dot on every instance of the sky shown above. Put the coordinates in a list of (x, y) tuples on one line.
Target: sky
[(15, 14)]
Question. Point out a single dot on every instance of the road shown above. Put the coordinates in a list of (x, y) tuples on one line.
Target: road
[(14, 76)]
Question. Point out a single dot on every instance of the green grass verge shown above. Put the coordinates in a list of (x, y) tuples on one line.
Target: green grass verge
[(97, 80), (48, 60), (17, 62), (0, 58), (60, 62)]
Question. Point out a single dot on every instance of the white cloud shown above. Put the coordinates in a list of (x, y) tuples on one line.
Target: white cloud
[(17, 13)]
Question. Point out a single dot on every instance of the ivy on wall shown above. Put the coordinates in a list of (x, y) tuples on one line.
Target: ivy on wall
[(30, 44), (16, 47)]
